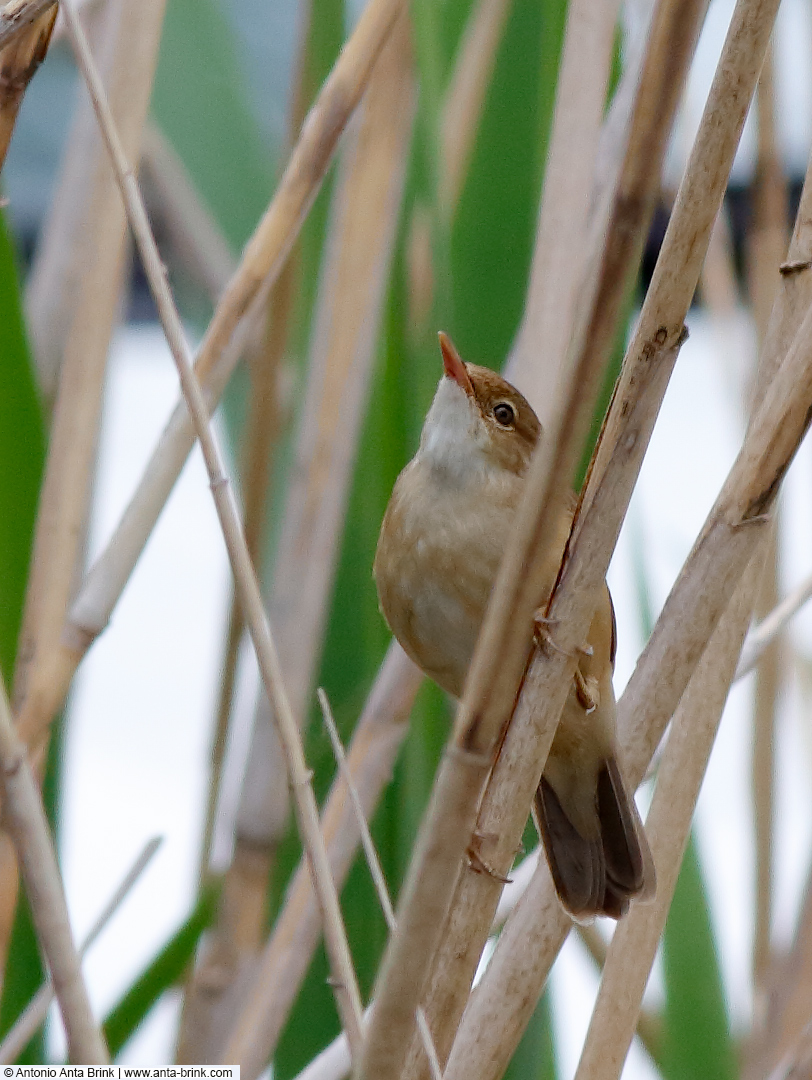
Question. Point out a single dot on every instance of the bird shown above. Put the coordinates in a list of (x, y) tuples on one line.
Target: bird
[(438, 553)]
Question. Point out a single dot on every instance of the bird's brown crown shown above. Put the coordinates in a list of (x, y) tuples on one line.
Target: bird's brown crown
[(513, 425)]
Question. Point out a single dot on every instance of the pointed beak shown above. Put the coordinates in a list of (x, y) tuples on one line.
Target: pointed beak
[(453, 364)]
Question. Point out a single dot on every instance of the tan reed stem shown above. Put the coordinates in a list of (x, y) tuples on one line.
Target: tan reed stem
[(351, 294), (25, 820), (523, 581), (668, 825), (768, 245), (569, 179), (286, 957), (93, 265), (346, 990), (507, 994), (462, 108), (219, 353), (764, 633), (17, 15), (375, 868), (33, 1016)]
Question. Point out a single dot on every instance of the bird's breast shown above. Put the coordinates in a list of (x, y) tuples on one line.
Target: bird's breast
[(438, 554)]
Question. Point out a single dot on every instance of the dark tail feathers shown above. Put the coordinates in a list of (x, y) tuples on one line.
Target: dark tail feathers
[(596, 876)]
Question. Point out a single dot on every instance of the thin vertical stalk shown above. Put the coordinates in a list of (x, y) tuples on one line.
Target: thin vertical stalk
[(569, 179), (299, 777), (26, 822), (668, 825), (287, 955), (768, 245)]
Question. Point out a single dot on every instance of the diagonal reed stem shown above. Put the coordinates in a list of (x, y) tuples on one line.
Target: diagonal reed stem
[(26, 822), (346, 989)]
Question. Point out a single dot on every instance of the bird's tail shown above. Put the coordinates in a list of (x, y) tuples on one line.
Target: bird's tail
[(601, 874)]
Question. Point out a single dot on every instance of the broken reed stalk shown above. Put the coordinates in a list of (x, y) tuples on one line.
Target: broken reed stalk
[(287, 955), (17, 15), (507, 993), (33, 1016), (374, 864), (693, 731), (25, 820), (19, 61), (261, 263), (346, 990), (348, 312), (502, 649), (569, 179)]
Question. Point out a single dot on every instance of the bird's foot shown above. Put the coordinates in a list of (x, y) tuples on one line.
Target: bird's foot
[(478, 864), (586, 690)]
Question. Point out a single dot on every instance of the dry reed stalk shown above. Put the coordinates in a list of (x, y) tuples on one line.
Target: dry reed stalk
[(19, 61), (284, 962), (351, 295), (27, 825), (218, 354), (17, 15), (532, 937), (73, 291), (773, 624), (569, 180), (720, 291), (502, 649), (299, 777), (462, 108), (790, 986), (790, 982), (768, 245), (132, 35), (374, 864), (205, 1018), (195, 234), (262, 431), (33, 1016), (668, 826)]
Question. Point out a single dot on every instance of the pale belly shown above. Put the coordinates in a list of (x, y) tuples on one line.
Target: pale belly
[(435, 566)]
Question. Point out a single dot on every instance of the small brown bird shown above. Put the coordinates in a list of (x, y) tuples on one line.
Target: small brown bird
[(438, 553)]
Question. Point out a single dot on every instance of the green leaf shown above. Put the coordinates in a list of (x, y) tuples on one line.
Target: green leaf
[(494, 229), (22, 459), (163, 973), (697, 1039), (200, 102)]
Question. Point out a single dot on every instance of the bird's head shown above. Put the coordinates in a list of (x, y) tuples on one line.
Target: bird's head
[(477, 421)]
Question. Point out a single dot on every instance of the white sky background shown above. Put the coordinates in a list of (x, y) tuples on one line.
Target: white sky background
[(141, 714)]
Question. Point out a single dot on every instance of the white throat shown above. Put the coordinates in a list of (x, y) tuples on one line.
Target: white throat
[(454, 438)]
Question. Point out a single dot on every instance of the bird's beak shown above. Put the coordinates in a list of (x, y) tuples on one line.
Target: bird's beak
[(453, 364)]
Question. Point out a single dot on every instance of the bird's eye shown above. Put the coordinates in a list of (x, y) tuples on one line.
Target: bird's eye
[(504, 414)]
